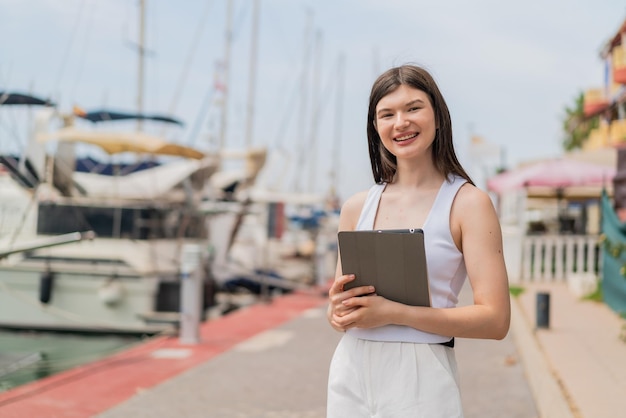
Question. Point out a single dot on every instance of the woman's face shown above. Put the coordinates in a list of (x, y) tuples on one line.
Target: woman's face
[(405, 121)]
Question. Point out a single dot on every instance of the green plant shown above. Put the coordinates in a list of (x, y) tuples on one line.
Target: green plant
[(596, 295), (576, 126), (515, 291)]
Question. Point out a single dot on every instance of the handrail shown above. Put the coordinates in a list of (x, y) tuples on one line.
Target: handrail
[(49, 242)]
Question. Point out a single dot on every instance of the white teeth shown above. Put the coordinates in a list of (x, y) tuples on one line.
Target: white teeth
[(404, 138)]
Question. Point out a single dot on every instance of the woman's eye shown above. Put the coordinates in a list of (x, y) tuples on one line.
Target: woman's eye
[(413, 109)]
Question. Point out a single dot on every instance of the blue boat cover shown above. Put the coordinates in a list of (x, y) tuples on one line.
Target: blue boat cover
[(7, 98), (107, 115)]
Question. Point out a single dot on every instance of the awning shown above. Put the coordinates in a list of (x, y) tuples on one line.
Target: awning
[(554, 173), (118, 142)]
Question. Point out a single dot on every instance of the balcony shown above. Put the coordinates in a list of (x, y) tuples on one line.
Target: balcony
[(599, 137), (595, 101), (619, 64), (617, 132)]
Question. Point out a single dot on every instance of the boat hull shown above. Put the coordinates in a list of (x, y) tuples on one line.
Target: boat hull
[(77, 301)]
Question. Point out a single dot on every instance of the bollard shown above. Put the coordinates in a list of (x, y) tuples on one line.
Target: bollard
[(190, 295), (543, 310)]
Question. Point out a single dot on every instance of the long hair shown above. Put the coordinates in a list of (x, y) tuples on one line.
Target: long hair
[(384, 163)]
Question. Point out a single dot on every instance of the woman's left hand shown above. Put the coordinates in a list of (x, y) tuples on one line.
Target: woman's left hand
[(367, 312)]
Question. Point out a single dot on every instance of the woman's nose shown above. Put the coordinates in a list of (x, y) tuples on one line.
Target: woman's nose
[(401, 120)]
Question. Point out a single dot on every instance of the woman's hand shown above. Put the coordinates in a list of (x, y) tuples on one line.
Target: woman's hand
[(338, 309), (358, 307), (367, 312)]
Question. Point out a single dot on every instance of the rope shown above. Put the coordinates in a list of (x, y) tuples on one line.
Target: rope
[(194, 46), (70, 44), (81, 65)]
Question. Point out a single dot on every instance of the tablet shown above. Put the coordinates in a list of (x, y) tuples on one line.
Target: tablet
[(393, 261)]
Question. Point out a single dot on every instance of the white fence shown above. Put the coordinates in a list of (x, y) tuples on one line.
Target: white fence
[(559, 257)]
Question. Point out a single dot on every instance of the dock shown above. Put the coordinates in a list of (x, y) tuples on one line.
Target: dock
[(271, 359)]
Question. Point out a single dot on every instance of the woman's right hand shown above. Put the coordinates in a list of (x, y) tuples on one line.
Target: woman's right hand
[(336, 296)]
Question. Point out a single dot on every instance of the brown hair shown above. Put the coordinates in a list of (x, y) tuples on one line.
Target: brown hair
[(384, 163)]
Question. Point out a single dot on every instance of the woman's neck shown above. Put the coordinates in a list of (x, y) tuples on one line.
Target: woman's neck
[(417, 175)]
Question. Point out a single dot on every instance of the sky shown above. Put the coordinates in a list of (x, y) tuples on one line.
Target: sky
[(506, 69)]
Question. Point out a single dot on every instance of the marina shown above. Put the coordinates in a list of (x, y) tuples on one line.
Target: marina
[(94, 252), (151, 211), (167, 242)]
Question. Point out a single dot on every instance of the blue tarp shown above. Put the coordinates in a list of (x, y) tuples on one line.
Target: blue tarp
[(7, 98), (613, 257), (107, 115)]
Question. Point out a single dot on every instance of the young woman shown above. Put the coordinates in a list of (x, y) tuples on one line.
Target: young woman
[(397, 360)]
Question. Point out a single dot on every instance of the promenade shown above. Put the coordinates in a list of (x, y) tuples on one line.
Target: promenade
[(271, 360)]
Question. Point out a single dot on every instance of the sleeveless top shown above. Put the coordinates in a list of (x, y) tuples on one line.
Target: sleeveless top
[(445, 263)]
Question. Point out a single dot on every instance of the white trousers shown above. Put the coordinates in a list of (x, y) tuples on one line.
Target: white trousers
[(376, 379)]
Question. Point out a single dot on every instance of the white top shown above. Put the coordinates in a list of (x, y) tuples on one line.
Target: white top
[(445, 263)]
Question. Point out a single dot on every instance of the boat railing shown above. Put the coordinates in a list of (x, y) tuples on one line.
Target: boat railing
[(47, 242)]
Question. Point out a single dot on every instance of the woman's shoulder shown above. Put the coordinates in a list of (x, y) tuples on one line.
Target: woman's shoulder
[(355, 202), (472, 198), (470, 191), (351, 210)]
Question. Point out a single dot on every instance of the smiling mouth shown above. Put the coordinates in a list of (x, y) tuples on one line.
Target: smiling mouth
[(405, 137)]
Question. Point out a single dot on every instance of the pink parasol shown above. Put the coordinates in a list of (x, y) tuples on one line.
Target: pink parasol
[(557, 173)]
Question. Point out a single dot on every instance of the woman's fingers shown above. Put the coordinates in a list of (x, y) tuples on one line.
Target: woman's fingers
[(344, 322), (337, 286), (343, 310), (340, 307), (340, 323)]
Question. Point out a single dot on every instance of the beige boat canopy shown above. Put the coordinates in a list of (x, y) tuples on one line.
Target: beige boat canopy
[(118, 142)]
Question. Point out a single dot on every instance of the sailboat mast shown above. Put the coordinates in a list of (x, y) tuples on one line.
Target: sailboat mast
[(336, 159), (315, 115), (302, 148), (252, 75), (141, 55), (226, 71)]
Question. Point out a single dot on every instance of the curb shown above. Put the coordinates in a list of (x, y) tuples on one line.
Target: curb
[(551, 398)]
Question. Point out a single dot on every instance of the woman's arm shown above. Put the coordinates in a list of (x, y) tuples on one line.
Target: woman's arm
[(476, 231), (348, 218)]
